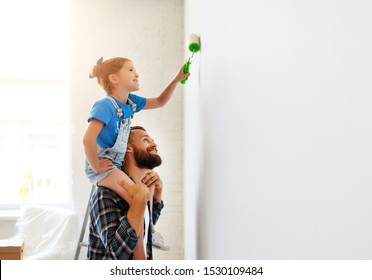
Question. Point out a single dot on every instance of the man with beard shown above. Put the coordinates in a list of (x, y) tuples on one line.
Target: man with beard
[(116, 226)]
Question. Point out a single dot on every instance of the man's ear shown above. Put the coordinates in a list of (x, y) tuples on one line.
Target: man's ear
[(129, 148)]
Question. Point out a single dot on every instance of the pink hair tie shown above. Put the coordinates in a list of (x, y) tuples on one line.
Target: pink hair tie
[(98, 69)]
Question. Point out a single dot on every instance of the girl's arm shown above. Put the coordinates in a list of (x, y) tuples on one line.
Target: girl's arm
[(165, 95), (90, 147)]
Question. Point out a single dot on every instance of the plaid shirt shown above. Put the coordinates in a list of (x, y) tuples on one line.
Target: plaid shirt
[(111, 237)]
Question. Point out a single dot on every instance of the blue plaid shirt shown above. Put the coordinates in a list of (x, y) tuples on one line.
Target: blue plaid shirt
[(111, 237)]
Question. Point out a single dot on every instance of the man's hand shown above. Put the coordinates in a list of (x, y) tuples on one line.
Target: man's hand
[(153, 181)]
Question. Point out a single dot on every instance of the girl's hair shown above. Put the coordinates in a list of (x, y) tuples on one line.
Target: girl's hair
[(103, 69)]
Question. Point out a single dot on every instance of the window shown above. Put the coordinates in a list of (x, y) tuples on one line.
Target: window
[(34, 102)]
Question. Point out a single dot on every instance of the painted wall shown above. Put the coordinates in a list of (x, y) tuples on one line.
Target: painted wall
[(150, 33), (193, 151), (285, 128)]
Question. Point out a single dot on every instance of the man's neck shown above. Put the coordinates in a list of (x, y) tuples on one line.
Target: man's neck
[(134, 172)]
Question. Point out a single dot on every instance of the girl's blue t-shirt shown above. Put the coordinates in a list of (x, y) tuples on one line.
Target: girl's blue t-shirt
[(104, 111)]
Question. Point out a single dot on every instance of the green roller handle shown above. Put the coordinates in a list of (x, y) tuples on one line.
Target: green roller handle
[(186, 70)]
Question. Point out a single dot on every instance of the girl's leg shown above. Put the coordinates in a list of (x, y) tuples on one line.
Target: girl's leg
[(158, 240), (111, 181)]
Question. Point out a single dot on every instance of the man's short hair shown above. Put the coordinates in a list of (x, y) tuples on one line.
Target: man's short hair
[(136, 127)]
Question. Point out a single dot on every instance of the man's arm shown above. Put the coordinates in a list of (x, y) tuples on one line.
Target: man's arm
[(153, 180), (113, 230), (140, 194), (156, 211)]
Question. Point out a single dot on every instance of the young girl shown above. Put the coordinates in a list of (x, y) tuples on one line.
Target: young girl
[(106, 137)]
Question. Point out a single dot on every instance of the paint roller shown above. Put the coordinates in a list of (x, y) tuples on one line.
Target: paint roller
[(194, 46)]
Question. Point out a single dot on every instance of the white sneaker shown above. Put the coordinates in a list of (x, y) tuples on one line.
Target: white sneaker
[(158, 242)]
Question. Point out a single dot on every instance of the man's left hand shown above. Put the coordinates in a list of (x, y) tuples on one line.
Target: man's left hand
[(153, 181)]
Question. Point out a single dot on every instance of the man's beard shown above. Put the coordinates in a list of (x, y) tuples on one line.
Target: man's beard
[(144, 159)]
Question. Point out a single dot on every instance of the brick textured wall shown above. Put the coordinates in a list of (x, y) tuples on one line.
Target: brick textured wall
[(150, 33)]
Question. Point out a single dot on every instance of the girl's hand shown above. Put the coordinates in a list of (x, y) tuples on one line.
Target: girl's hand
[(103, 165), (180, 75)]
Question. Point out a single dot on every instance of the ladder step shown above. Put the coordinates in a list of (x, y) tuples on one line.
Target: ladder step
[(84, 244)]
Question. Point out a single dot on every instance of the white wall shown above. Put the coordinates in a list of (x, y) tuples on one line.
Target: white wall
[(150, 32), (285, 92), (193, 154)]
